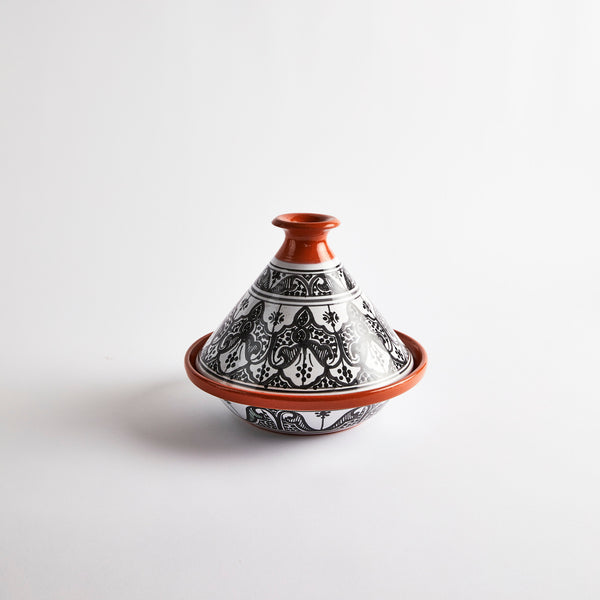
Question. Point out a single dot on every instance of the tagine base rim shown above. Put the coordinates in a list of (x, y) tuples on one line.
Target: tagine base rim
[(299, 401)]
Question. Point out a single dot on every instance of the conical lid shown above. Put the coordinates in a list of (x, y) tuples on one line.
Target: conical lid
[(304, 326)]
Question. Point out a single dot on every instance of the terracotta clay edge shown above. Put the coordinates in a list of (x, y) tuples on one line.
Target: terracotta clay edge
[(306, 221)]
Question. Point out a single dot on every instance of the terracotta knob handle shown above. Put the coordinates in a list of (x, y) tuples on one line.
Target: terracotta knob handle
[(305, 237)]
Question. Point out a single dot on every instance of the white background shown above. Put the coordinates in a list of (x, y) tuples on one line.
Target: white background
[(145, 147)]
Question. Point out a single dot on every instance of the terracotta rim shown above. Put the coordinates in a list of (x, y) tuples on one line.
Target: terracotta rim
[(306, 221), (305, 237), (302, 401)]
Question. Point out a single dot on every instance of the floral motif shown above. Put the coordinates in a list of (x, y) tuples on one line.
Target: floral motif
[(313, 349), (323, 414), (330, 317), (275, 317), (289, 421), (331, 341), (327, 282)]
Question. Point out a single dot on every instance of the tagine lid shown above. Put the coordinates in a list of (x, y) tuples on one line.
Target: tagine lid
[(305, 331)]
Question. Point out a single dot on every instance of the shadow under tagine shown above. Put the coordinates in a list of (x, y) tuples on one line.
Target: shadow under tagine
[(176, 417)]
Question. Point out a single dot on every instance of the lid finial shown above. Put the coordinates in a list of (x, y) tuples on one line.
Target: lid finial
[(305, 237)]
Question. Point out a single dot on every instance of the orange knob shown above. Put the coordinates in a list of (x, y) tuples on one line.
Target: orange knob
[(305, 237)]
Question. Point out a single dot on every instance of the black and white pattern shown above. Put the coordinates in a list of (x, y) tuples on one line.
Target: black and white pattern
[(294, 283), (304, 422), (309, 331)]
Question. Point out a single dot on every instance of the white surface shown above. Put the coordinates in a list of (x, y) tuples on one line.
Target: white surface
[(146, 144)]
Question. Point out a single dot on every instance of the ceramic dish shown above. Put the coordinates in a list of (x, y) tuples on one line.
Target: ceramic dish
[(304, 351)]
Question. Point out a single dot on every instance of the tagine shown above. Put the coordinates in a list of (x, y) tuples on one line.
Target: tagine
[(304, 351)]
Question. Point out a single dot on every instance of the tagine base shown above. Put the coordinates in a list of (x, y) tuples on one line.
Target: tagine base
[(299, 414), (299, 434), (303, 422)]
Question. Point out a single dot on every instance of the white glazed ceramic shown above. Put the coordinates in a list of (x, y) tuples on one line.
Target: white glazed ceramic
[(304, 351)]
